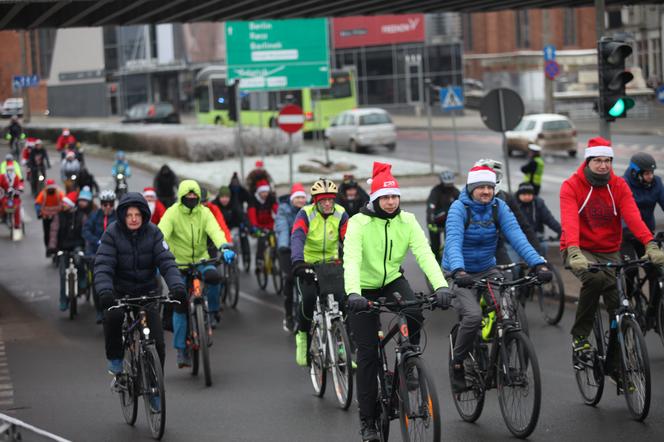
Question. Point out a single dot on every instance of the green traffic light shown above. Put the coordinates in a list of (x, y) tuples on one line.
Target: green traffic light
[(621, 106)]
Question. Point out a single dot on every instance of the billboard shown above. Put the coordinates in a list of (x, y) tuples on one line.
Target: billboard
[(350, 32)]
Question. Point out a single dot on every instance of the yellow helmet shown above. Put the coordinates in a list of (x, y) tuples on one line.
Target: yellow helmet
[(323, 186)]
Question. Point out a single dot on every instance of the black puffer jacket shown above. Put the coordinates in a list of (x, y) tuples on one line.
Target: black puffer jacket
[(354, 206), (438, 204), (127, 261), (166, 185)]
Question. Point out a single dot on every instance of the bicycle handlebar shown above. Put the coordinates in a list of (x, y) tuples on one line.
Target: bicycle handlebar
[(500, 282), (399, 305), (596, 266), (133, 302), (521, 265), (193, 265)]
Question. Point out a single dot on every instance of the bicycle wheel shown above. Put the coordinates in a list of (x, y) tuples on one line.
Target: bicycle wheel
[(551, 298), (342, 372), (154, 395), (317, 369), (261, 274), (73, 304), (419, 413), (277, 278), (203, 343), (127, 385), (470, 403), (660, 318), (233, 285), (636, 369), (246, 252), (224, 288), (519, 384), (590, 380)]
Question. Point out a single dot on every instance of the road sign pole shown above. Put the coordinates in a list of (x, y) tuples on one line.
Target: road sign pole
[(427, 83), (238, 109), (604, 126), (290, 159), (501, 106), (456, 143), (548, 82), (24, 69)]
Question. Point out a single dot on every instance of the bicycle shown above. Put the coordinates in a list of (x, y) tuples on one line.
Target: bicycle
[(245, 249), (199, 338), (269, 264), (71, 279), (142, 373), (37, 179), (330, 348), (634, 368), (9, 208), (416, 406), (502, 357), (231, 291)]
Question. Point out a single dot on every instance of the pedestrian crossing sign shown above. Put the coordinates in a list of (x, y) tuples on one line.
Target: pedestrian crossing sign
[(451, 98)]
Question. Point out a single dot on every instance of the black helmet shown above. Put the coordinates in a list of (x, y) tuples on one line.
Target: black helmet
[(639, 163)]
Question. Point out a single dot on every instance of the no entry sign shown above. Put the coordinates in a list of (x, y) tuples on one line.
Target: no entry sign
[(291, 118)]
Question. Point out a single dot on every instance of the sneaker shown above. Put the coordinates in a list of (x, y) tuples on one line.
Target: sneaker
[(64, 305), (183, 358), (301, 348), (288, 324), (458, 377), (115, 366), (155, 404), (368, 430), (412, 379), (580, 349)]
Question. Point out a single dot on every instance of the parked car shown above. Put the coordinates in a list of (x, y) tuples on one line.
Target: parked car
[(12, 106), (152, 113), (554, 133), (358, 129)]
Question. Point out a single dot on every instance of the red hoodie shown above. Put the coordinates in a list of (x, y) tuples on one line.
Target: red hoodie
[(591, 217)]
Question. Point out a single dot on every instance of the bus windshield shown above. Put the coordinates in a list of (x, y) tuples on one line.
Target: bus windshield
[(340, 88)]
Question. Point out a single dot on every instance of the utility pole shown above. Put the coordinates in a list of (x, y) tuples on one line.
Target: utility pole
[(24, 69), (548, 82), (604, 127)]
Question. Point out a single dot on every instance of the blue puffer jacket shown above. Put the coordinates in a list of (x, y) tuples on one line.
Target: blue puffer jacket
[(94, 229), (474, 249), (283, 223), (646, 197)]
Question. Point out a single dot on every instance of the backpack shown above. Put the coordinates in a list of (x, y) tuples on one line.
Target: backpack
[(494, 216)]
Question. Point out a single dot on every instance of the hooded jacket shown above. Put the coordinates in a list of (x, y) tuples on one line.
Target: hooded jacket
[(591, 216), (539, 215), (473, 248), (375, 248), (187, 230), (438, 204), (283, 223), (646, 198), (127, 261), (67, 230), (165, 184), (354, 206)]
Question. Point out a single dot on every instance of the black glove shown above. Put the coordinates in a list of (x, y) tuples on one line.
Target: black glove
[(357, 303), (106, 300), (543, 273), (443, 297), (304, 271), (179, 294), (463, 279)]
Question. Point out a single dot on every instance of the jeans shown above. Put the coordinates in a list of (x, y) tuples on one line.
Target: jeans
[(364, 328), (210, 291), (63, 262)]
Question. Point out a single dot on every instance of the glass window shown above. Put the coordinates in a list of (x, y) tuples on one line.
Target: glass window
[(377, 118), (219, 94), (556, 125), (203, 98), (340, 88), (379, 62), (439, 58), (381, 91), (525, 125)]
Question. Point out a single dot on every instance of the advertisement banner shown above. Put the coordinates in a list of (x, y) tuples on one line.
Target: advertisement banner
[(350, 32)]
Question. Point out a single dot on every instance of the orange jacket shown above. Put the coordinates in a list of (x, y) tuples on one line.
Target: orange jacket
[(49, 205), (220, 220)]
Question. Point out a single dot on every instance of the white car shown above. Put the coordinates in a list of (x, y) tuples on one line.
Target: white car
[(12, 106), (358, 129), (553, 132)]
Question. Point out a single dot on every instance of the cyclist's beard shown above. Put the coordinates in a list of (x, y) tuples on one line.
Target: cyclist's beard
[(152, 205)]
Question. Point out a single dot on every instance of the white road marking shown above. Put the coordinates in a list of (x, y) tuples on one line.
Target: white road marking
[(252, 298)]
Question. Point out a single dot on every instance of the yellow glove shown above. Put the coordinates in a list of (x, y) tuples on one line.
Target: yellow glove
[(576, 260), (654, 254)]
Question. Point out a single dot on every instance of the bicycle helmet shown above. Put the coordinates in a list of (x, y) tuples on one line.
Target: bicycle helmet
[(447, 177), (323, 188), (107, 195), (639, 163), (496, 165)]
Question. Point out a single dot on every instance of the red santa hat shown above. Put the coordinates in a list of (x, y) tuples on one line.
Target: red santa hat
[(262, 186), (150, 191), (599, 147), (71, 199), (480, 176), (382, 182), (10, 165), (30, 142), (259, 164), (297, 190), (50, 183)]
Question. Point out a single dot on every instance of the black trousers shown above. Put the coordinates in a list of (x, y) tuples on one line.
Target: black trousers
[(434, 239), (46, 225), (286, 270), (364, 328), (113, 332)]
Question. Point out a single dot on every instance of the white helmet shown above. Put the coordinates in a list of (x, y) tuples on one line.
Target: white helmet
[(107, 195), (447, 177), (497, 167)]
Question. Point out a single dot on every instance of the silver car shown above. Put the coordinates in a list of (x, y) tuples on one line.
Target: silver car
[(358, 129)]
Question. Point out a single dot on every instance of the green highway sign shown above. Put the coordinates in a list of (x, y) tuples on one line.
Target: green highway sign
[(278, 54)]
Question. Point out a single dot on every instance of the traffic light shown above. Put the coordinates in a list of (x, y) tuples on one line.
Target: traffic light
[(232, 100), (611, 55)]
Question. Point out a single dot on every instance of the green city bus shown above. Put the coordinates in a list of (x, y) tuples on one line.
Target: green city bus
[(320, 106)]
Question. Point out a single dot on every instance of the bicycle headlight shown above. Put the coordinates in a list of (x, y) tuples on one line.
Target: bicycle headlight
[(120, 176), (146, 331)]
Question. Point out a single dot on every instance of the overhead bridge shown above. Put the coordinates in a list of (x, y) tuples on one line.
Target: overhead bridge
[(30, 14)]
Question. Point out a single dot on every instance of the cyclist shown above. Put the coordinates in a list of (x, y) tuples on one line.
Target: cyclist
[(166, 186), (69, 169), (9, 158), (121, 165), (131, 251), (593, 204), (14, 131), (537, 213), (351, 196), (65, 142), (534, 168), (317, 234), (67, 235), (239, 194), (233, 213), (472, 230), (438, 204), (10, 179), (186, 226), (218, 215), (377, 241), (157, 209), (47, 206), (85, 203), (85, 178), (289, 206), (256, 176), (261, 212), (38, 158), (94, 228)]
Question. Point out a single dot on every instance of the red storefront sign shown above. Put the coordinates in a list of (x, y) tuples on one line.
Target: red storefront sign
[(350, 32)]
